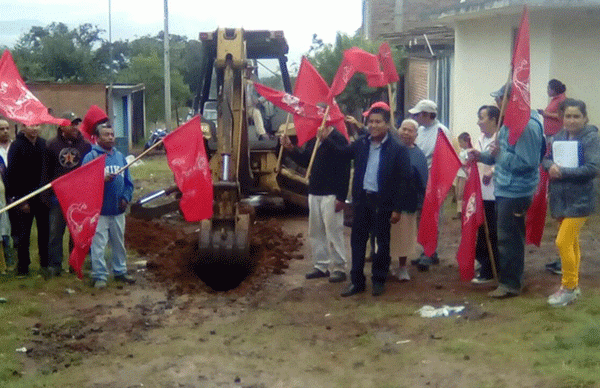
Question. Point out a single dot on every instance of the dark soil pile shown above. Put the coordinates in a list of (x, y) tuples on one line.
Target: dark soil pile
[(171, 248)]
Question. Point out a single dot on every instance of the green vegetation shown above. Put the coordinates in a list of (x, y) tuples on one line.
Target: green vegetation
[(327, 58)]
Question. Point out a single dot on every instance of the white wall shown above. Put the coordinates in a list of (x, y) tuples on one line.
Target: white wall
[(481, 65), (564, 45), (576, 58)]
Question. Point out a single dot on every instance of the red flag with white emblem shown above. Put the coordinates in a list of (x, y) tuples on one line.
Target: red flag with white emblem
[(444, 166), (387, 63), (80, 194), (304, 110), (187, 159), (518, 109), (357, 61), (312, 88), (16, 101), (472, 218)]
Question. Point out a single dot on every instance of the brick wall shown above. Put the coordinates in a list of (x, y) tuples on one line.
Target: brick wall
[(383, 14), (72, 97), (416, 81)]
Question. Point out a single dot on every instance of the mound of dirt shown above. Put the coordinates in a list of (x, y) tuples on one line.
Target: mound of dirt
[(171, 248)]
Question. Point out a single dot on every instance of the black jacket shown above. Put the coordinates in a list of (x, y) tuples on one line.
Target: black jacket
[(394, 175), (64, 155), (331, 168), (25, 163)]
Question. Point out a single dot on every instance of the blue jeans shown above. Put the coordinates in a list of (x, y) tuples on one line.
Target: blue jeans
[(511, 240), (110, 228)]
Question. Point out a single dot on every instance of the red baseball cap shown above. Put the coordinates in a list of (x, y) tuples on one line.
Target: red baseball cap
[(378, 104)]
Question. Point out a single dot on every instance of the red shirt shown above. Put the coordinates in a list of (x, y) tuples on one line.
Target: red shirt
[(552, 125)]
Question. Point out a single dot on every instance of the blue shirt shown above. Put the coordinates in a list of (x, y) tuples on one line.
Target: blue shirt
[(370, 180)]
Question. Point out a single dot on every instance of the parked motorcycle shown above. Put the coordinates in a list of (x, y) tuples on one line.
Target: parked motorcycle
[(156, 136)]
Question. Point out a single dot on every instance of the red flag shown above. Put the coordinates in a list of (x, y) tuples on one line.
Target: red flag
[(444, 166), (472, 218), (387, 62), (518, 109), (187, 159), (357, 60), (80, 194), (312, 88), (307, 114), (16, 101), (535, 221)]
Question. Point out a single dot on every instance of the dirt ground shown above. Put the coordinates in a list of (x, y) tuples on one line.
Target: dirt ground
[(276, 329)]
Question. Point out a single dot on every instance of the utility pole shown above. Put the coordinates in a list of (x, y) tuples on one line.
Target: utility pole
[(167, 70), (109, 104)]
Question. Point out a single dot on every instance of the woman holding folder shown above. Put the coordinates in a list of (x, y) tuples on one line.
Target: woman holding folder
[(572, 164)]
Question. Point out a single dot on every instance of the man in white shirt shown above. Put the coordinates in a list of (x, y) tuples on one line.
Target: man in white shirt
[(425, 113)]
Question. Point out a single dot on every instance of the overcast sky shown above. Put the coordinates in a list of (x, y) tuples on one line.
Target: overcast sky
[(134, 18)]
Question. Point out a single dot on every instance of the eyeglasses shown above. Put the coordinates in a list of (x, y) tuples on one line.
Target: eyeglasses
[(7, 128)]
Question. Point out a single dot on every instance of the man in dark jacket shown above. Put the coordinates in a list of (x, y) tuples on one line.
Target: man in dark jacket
[(26, 157), (327, 190), (379, 193), (65, 153)]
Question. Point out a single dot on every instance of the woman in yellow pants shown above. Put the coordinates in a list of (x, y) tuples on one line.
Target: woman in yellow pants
[(572, 164)]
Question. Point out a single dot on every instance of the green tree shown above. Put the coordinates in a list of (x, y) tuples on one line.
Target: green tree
[(58, 53), (149, 70), (327, 58)]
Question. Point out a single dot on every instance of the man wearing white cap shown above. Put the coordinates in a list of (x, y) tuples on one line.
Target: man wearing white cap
[(425, 113)]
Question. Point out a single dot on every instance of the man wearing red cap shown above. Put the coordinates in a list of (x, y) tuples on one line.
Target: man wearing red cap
[(379, 193)]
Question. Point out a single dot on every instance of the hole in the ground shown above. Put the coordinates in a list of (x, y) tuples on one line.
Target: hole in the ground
[(223, 272)]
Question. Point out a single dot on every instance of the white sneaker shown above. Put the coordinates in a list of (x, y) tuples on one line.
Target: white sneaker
[(403, 275), (563, 297)]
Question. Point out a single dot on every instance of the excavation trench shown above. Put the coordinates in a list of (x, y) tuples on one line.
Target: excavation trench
[(170, 246)]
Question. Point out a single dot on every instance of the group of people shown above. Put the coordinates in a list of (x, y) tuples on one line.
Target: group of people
[(29, 163), (390, 177)]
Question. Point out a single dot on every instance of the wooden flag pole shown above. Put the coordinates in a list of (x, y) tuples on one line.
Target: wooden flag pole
[(504, 100), (489, 246), (139, 156), (391, 100), (25, 198), (317, 143), (278, 166)]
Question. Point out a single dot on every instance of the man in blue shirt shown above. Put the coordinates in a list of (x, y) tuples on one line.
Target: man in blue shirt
[(516, 176), (118, 190), (380, 193)]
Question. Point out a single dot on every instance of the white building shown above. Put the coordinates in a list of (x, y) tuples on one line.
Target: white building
[(565, 44)]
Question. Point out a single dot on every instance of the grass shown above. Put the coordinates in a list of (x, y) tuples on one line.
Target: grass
[(524, 335)]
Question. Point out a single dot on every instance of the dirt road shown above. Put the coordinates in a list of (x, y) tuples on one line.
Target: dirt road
[(278, 329)]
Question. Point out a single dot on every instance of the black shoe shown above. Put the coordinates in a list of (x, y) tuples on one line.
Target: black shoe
[(46, 272), (378, 289), (125, 278), (555, 267), (352, 290), (337, 277), (425, 262), (316, 274)]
